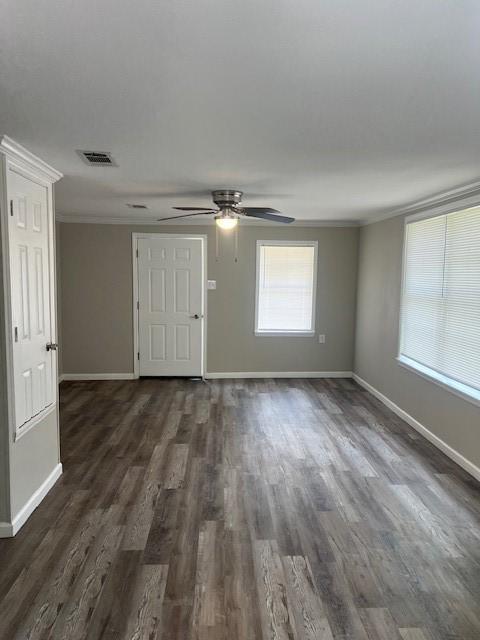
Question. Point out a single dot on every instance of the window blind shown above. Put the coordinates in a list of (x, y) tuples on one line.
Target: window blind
[(285, 288), (440, 317)]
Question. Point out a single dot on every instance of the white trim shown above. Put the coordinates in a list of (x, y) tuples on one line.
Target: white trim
[(98, 376), (6, 367), (19, 160), (277, 374), (137, 236), (286, 334), (61, 378), (446, 202), (79, 218), (464, 391), (17, 153), (470, 394), (286, 243), (215, 375), (428, 214), (136, 347), (449, 451), (9, 529)]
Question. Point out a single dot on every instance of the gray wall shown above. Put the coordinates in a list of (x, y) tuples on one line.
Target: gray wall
[(454, 420), (32, 459), (96, 284)]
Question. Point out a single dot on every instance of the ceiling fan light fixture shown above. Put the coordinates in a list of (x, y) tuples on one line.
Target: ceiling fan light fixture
[(226, 222)]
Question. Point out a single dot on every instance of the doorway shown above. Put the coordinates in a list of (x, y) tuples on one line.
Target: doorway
[(169, 272)]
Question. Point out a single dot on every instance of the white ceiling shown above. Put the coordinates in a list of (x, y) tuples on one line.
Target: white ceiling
[(324, 109)]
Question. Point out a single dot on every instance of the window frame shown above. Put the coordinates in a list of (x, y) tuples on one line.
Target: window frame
[(286, 243), (460, 389)]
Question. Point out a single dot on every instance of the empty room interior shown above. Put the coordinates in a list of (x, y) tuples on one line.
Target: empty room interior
[(240, 320)]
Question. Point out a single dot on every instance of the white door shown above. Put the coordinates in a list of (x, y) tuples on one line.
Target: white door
[(30, 241), (170, 314)]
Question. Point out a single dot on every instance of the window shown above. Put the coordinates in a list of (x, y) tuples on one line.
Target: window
[(440, 315), (286, 283)]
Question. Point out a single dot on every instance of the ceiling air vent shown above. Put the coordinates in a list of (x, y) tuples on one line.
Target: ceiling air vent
[(97, 158), (133, 205)]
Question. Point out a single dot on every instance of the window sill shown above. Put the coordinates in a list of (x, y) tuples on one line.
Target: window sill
[(458, 388), (290, 334)]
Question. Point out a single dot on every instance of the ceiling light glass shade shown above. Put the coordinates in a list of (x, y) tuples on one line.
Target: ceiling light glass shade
[(226, 222)]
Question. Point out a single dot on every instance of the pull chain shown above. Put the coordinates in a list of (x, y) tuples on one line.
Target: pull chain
[(236, 243), (216, 242)]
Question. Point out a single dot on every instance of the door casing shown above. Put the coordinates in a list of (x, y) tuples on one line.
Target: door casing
[(172, 236), (17, 159)]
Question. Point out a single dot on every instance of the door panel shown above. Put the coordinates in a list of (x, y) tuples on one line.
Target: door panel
[(170, 287), (30, 290), (158, 347), (182, 342), (181, 291), (157, 290)]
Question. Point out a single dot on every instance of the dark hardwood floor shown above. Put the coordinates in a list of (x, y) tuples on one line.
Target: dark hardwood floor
[(242, 510)]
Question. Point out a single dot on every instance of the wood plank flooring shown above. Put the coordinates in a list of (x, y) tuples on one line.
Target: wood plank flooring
[(244, 510)]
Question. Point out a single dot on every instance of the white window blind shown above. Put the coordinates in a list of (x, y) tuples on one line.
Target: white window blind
[(440, 319), (285, 287)]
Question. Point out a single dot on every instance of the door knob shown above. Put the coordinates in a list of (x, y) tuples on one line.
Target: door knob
[(196, 316), (52, 346)]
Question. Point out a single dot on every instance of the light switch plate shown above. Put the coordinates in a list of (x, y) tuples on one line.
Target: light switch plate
[(321, 338), (211, 284)]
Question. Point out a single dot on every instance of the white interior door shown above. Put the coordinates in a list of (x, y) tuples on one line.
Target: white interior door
[(30, 242), (170, 314)]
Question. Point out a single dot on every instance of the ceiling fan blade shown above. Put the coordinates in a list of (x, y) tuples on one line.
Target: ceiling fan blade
[(265, 213), (261, 209), (186, 215), (192, 208)]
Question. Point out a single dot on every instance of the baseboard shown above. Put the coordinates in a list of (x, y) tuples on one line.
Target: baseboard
[(61, 378), (449, 451), (278, 374), (9, 529), (215, 375), (97, 376)]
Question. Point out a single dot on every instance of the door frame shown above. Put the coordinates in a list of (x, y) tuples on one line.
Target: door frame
[(136, 236), (14, 157)]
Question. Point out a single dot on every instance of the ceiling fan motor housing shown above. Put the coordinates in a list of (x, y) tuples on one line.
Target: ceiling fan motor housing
[(226, 198)]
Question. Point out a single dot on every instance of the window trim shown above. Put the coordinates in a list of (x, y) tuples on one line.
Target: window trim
[(460, 389), (449, 384), (286, 243)]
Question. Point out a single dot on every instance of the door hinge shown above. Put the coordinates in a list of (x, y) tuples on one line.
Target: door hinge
[(138, 305), (137, 253), (11, 207), (16, 334), (138, 355)]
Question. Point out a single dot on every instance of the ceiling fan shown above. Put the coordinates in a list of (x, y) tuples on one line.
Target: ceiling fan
[(230, 210)]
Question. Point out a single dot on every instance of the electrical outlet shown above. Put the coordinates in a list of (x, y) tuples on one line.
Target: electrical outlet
[(321, 338), (211, 284)]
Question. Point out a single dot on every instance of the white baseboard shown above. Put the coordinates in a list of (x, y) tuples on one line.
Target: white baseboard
[(9, 529), (61, 378), (278, 374), (449, 451), (215, 375), (97, 376)]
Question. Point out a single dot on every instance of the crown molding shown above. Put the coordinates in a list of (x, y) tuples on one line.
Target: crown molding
[(23, 157), (447, 201), (97, 219), (467, 194)]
